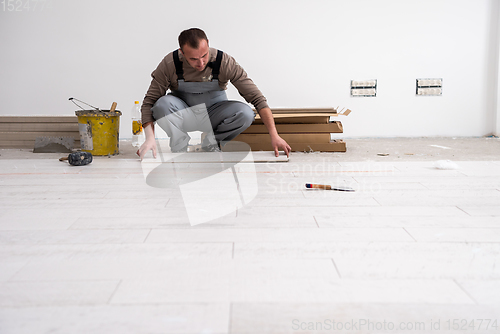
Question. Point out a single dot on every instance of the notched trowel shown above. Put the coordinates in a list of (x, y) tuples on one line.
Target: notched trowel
[(54, 145)]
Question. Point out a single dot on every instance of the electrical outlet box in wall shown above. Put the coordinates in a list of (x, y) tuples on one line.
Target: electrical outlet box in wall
[(366, 88), (429, 87)]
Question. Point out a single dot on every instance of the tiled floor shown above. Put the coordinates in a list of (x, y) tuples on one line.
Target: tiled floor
[(120, 247)]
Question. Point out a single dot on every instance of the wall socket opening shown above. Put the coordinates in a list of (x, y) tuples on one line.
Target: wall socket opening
[(364, 88), (429, 87)]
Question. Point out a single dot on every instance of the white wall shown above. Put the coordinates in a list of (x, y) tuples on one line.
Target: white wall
[(495, 67), (300, 54)]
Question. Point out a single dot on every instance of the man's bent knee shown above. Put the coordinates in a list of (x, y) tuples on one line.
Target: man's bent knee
[(166, 105), (247, 116)]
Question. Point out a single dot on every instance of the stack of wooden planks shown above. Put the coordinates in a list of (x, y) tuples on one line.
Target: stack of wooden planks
[(22, 131), (303, 129)]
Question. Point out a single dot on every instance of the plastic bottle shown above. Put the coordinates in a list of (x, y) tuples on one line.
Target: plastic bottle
[(137, 131)]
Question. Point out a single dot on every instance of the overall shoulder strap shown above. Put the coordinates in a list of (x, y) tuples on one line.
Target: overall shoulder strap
[(216, 65), (178, 66)]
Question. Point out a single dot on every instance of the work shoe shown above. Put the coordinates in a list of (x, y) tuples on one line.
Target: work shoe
[(211, 148), (181, 150)]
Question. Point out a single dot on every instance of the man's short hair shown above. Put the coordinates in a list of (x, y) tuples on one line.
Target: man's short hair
[(192, 37)]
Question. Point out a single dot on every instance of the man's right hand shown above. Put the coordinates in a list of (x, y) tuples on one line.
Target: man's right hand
[(149, 144)]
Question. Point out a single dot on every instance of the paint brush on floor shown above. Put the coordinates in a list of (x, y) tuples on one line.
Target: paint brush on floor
[(327, 187)]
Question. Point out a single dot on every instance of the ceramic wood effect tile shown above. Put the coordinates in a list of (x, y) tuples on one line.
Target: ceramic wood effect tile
[(182, 318), (9, 267), (165, 267), (73, 237), (290, 318), (53, 253), (388, 211), (247, 284), (74, 204), (61, 194), (412, 242), (53, 293), (279, 235), (386, 259), (375, 186), (437, 193), (333, 200), (437, 201), (453, 234), (418, 260), (482, 291), (481, 210), (36, 218), (467, 183), (407, 221)]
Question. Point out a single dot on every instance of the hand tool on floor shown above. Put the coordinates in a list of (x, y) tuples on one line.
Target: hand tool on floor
[(327, 187), (78, 158), (54, 144)]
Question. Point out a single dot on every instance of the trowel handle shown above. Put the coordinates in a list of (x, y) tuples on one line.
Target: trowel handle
[(113, 107), (319, 186)]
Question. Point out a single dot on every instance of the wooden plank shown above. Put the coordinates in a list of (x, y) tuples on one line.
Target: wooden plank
[(335, 146), (16, 136), (6, 144), (38, 119), (289, 137), (10, 144), (38, 127), (286, 119), (276, 116), (334, 127), (303, 110)]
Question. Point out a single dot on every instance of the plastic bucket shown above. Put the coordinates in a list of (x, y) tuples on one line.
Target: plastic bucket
[(99, 131)]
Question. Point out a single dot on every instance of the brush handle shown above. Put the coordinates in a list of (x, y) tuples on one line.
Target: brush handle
[(113, 107), (319, 186)]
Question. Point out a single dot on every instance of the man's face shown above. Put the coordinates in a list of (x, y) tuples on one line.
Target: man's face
[(197, 58)]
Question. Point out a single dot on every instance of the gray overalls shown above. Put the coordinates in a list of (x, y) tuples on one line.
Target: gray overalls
[(200, 106)]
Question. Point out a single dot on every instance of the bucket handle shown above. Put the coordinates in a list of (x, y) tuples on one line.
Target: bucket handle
[(72, 99)]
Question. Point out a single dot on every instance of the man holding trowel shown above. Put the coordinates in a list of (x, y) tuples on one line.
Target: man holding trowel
[(197, 77)]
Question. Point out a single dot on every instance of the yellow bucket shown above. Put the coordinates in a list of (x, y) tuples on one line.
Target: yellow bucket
[(99, 131)]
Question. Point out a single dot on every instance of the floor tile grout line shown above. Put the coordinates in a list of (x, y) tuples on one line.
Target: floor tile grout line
[(70, 227), (404, 228), (147, 236), (459, 208), (423, 185), (337, 269), (465, 291), (64, 280), (168, 200), (114, 292), (376, 201), (230, 318), (9, 279)]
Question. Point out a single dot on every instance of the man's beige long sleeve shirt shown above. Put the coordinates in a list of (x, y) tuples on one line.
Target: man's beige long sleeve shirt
[(165, 78)]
